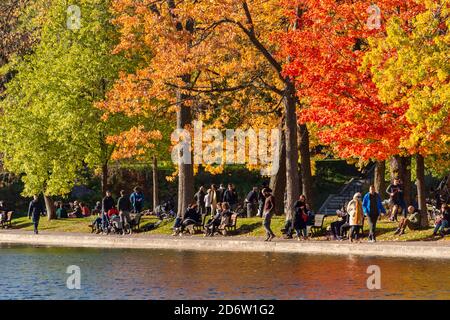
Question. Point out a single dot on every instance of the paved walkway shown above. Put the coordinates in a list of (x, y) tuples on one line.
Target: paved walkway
[(413, 249)]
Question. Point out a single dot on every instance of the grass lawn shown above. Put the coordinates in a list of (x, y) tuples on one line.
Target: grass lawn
[(246, 227)]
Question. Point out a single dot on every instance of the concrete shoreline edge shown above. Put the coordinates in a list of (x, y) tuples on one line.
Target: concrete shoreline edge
[(379, 249)]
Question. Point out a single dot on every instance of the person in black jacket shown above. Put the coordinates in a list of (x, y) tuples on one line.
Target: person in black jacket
[(251, 202), (107, 204), (200, 198), (124, 207), (34, 211), (397, 202), (220, 192), (261, 199), (191, 216), (301, 218), (230, 196)]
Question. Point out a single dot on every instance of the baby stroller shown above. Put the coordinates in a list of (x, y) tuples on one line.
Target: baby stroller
[(116, 226)]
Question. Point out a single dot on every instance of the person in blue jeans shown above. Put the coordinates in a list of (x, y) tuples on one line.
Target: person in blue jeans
[(107, 204), (442, 220), (137, 200), (372, 208), (35, 210), (269, 207)]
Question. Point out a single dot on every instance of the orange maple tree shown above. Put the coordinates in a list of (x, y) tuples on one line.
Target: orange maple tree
[(326, 55)]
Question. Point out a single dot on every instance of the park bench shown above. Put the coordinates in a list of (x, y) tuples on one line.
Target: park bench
[(317, 227), (7, 223), (199, 226), (231, 226)]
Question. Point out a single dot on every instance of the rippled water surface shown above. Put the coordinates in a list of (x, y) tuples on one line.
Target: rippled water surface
[(40, 273)]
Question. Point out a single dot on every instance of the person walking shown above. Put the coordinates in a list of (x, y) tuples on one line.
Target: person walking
[(137, 200), (372, 208), (269, 206), (124, 207), (107, 204), (251, 201), (199, 197), (35, 209), (355, 212)]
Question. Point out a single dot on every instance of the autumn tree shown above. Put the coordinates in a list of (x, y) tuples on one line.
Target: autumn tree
[(326, 54), (195, 49), (410, 67), (50, 126)]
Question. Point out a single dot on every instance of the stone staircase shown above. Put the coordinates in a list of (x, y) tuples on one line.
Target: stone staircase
[(336, 201)]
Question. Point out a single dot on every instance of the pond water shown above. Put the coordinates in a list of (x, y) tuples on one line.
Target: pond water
[(40, 273)]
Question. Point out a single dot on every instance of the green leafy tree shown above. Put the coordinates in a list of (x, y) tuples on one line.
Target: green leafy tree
[(50, 126)]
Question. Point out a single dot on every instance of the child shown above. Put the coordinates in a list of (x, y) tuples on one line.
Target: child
[(113, 212)]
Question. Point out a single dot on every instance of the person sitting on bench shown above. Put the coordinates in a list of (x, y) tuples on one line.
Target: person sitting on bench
[(214, 223), (226, 215), (4, 211), (191, 216), (337, 225)]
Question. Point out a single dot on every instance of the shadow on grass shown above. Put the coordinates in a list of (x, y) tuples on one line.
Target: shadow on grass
[(248, 228), (426, 237), (154, 224), (16, 225)]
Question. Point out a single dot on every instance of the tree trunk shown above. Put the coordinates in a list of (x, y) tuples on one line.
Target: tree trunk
[(292, 180), (380, 184), (185, 170), (305, 159), (401, 167), (104, 178), (278, 180), (155, 183), (420, 182), (394, 164), (406, 179), (50, 208)]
